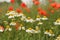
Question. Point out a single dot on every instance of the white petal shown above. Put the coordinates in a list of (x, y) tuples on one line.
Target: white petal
[(23, 28), (44, 18), (55, 23), (11, 17)]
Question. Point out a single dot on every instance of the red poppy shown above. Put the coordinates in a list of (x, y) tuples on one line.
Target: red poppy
[(43, 12), (53, 4), (23, 5), (52, 11), (12, 1), (10, 8), (36, 2), (57, 6), (18, 10)]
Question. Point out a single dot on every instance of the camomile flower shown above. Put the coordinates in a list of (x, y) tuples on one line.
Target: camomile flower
[(39, 23), (11, 16), (58, 19), (13, 23), (1, 28), (23, 18), (37, 29), (44, 18), (29, 20), (11, 13), (46, 32), (38, 18), (6, 22), (8, 28), (57, 22), (30, 30), (20, 14), (58, 38), (21, 27), (51, 33)]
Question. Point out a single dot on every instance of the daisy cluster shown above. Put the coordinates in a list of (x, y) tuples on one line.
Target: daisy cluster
[(12, 15)]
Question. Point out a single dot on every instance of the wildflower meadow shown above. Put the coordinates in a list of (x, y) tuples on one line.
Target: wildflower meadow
[(29, 20)]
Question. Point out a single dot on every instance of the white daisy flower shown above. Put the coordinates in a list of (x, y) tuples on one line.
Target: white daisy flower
[(13, 23), (1, 29), (38, 18), (11, 17), (29, 20), (6, 22), (51, 33), (40, 23), (44, 18), (58, 38), (19, 14), (30, 30), (23, 18), (37, 30), (11, 13), (21, 28), (46, 32), (57, 22), (8, 28)]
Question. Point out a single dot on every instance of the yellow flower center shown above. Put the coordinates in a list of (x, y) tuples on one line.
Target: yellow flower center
[(58, 19), (44, 17), (37, 28), (30, 28), (11, 14), (47, 30), (38, 16), (28, 18), (50, 31), (21, 25), (7, 26), (8, 11)]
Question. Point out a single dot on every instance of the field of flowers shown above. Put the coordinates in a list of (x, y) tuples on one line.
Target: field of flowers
[(40, 22)]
